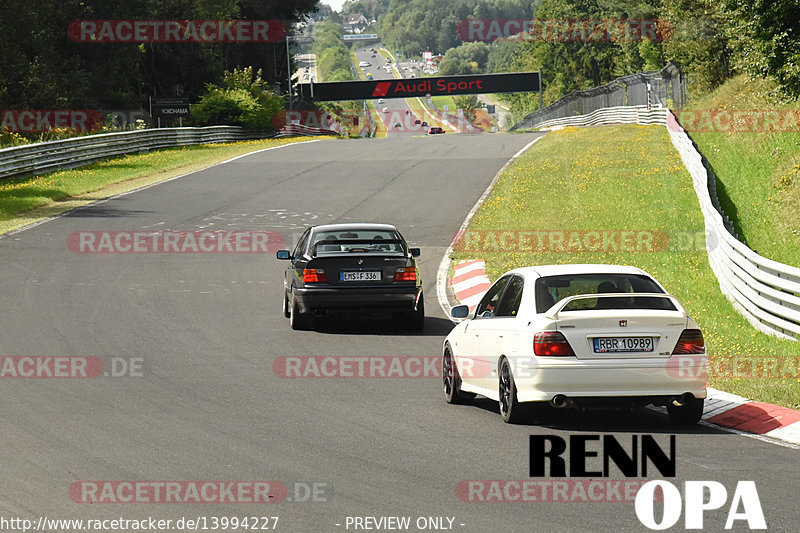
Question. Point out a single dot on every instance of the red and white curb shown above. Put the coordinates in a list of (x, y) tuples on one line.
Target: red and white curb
[(470, 282), (721, 408), (738, 413)]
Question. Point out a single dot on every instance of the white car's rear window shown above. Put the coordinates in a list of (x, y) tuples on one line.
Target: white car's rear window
[(551, 289)]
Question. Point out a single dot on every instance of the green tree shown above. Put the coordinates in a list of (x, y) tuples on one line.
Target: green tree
[(468, 103), (468, 58), (333, 56), (696, 38), (765, 37), (242, 99)]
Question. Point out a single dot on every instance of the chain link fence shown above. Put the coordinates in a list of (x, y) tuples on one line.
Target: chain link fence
[(664, 88)]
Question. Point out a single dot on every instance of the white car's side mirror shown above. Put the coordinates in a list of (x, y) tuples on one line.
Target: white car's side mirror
[(460, 311)]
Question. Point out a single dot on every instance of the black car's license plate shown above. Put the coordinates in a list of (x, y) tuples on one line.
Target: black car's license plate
[(362, 275), (623, 344)]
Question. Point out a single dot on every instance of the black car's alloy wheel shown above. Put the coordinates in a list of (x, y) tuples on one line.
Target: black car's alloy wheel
[(417, 319), (298, 320)]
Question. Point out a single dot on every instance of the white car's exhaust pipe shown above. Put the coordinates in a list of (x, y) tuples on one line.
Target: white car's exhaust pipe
[(560, 401), (683, 399)]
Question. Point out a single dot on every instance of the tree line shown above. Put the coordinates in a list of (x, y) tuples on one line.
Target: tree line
[(712, 40), (41, 67)]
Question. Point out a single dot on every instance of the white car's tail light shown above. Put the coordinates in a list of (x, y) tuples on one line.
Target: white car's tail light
[(551, 343), (691, 341)]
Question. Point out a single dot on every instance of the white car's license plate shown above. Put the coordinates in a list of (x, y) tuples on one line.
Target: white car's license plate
[(365, 275), (623, 344)]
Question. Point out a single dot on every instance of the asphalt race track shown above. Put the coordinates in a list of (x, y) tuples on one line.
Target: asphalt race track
[(207, 327)]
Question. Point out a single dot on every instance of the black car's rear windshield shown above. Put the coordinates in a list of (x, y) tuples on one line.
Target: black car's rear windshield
[(357, 241), (551, 289)]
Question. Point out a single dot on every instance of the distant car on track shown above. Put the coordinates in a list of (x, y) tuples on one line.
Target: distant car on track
[(352, 268), (435, 130), (577, 335)]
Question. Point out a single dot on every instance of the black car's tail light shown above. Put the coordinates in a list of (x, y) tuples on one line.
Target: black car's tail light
[(406, 274), (690, 341), (314, 275), (551, 343)]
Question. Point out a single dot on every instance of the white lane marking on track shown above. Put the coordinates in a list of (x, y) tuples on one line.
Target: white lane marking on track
[(444, 264), (120, 195)]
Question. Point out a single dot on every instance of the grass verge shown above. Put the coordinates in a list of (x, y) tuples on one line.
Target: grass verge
[(758, 170), (385, 54), (26, 200), (441, 101), (380, 127), (629, 178)]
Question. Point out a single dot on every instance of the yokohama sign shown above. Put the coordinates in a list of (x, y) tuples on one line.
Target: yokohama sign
[(444, 85)]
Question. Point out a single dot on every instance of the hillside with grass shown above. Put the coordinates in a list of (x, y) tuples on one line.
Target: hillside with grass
[(757, 162)]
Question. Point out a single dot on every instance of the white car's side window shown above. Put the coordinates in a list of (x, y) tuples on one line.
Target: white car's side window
[(509, 304), (488, 306)]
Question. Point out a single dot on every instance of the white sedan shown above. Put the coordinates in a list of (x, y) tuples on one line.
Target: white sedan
[(577, 334)]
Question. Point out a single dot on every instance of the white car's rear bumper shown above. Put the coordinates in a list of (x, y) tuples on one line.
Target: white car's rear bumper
[(544, 378)]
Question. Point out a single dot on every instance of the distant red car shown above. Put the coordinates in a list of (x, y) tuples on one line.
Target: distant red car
[(434, 130)]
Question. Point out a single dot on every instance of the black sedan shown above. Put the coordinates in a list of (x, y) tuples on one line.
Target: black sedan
[(352, 268)]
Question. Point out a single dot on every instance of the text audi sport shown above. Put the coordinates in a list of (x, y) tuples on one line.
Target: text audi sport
[(352, 267), (581, 334)]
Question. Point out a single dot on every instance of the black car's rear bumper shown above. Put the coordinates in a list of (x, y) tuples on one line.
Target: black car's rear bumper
[(320, 300)]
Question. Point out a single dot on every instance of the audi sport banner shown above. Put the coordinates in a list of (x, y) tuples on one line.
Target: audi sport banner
[(442, 85)]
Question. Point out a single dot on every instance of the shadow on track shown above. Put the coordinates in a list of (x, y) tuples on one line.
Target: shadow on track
[(601, 420), (105, 211), (380, 325)]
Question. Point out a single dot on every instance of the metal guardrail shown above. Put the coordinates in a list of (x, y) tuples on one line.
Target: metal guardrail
[(291, 130), (641, 115), (766, 292), (662, 88), (44, 157)]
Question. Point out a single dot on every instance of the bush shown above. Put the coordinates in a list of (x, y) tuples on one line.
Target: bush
[(11, 138), (243, 100)]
